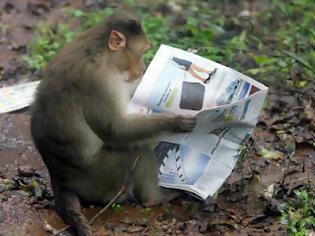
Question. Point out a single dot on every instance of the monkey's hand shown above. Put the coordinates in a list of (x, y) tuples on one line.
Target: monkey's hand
[(184, 124)]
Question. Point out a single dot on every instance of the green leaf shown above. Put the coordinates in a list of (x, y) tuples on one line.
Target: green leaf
[(117, 207), (255, 71), (7, 184), (36, 189), (191, 21), (272, 155), (76, 12), (261, 59)]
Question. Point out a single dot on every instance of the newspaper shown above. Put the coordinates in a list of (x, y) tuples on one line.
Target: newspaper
[(17, 97), (226, 104)]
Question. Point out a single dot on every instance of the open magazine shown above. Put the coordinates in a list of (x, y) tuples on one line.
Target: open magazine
[(226, 104)]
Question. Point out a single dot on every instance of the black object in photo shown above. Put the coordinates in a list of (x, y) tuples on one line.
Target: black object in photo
[(210, 76), (182, 62), (192, 96)]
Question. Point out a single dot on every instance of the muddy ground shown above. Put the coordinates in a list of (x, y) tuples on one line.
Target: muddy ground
[(247, 204)]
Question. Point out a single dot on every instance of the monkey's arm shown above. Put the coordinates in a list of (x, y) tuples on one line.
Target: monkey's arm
[(133, 128), (136, 127)]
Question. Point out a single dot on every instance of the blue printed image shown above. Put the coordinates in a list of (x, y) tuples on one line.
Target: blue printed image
[(193, 164), (244, 91), (184, 164)]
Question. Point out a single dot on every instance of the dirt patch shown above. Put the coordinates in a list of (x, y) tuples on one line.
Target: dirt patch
[(247, 203), (17, 152)]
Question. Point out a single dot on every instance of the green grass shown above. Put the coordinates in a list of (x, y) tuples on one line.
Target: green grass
[(299, 216), (279, 46), (286, 42), (117, 208), (48, 40)]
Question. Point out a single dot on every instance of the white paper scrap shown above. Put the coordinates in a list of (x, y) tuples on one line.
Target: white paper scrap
[(17, 97)]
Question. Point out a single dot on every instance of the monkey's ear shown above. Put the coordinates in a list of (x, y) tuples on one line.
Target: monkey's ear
[(116, 40)]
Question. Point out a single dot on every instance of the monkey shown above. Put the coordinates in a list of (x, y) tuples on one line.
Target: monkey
[(80, 126)]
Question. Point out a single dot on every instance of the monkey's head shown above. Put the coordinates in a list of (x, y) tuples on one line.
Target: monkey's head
[(127, 44)]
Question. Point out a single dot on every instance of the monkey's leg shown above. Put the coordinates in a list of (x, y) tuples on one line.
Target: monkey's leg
[(69, 208), (146, 178), (115, 165)]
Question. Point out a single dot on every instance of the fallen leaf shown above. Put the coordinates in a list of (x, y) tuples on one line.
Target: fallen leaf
[(134, 229), (272, 155), (287, 143), (7, 184), (37, 189), (295, 180), (269, 192), (26, 171), (309, 110)]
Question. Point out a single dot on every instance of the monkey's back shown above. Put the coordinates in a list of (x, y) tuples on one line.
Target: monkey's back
[(72, 152), (58, 125)]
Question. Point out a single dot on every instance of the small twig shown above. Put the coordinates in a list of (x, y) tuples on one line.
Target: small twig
[(121, 191), (111, 202), (49, 228), (62, 230)]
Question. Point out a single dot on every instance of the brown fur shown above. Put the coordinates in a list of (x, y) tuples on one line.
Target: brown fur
[(79, 126)]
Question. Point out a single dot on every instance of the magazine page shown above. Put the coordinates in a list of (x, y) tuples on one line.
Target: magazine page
[(242, 114), (226, 104), (202, 173), (183, 83)]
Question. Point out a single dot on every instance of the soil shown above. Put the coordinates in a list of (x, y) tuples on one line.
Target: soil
[(247, 204)]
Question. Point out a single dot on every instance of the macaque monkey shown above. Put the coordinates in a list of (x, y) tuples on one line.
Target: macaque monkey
[(80, 126)]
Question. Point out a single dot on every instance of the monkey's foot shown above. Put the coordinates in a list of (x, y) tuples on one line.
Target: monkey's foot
[(164, 195)]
